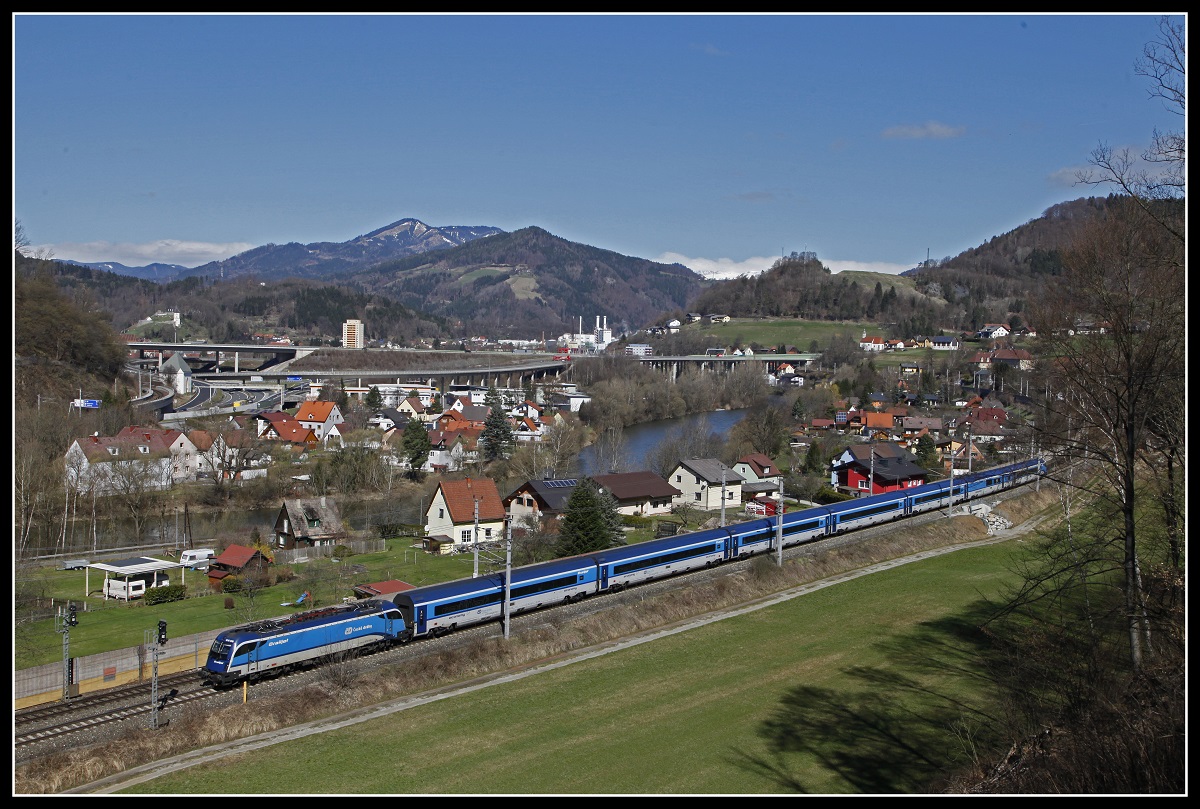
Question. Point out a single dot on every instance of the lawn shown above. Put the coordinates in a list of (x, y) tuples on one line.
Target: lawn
[(868, 686)]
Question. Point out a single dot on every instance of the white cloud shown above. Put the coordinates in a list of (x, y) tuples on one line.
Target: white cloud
[(719, 268), (163, 251), (929, 129), (722, 269)]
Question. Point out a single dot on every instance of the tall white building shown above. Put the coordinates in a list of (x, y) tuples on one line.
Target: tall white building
[(352, 334)]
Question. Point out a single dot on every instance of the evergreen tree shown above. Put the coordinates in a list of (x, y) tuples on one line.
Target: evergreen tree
[(414, 444), (814, 461), (497, 436), (926, 452), (374, 399), (591, 522)]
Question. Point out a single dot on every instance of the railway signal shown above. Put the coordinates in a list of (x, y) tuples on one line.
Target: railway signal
[(162, 633)]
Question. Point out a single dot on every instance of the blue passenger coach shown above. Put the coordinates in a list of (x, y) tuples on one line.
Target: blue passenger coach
[(251, 651)]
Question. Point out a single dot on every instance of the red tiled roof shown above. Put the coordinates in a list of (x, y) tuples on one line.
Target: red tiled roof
[(460, 496)]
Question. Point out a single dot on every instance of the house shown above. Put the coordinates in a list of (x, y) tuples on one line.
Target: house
[(229, 455), (701, 482), (185, 459), (760, 473), (462, 513), (538, 499), (639, 494), (875, 468), (872, 343), (308, 523), (236, 560), (912, 427), (414, 408), (694, 317), (322, 418), (718, 318), (944, 344), (960, 455), (1017, 358), (389, 417), (451, 450), (672, 326), (527, 429), (177, 373), (993, 331), (108, 466), (278, 426)]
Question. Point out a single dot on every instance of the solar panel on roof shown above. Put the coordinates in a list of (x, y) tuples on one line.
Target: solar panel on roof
[(559, 484)]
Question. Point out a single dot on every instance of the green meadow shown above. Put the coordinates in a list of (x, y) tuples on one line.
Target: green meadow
[(871, 686)]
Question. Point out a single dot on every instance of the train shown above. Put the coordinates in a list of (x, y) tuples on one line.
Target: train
[(304, 639)]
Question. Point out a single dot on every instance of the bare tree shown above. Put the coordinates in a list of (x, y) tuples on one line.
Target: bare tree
[(1159, 172), (1112, 330)]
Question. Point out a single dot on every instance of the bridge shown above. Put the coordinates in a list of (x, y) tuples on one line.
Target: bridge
[(211, 355)]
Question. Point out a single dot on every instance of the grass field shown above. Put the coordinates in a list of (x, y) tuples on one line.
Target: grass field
[(869, 686)]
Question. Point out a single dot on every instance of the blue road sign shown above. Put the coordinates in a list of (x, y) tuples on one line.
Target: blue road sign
[(295, 379), (90, 403)]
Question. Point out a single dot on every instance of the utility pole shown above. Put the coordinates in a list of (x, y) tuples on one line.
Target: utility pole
[(722, 495), (154, 641), (475, 541), (779, 526), (67, 620), (507, 573)]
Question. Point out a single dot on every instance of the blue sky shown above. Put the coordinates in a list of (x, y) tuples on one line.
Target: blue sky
[(719, 141)]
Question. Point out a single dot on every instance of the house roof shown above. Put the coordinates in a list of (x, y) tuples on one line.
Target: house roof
[(235, 556), (889, 469), (552, 495), (322, 510), (381, 588), (710, 469), (315, 411), (878, 421), (460, 497), (760, 463), (635, 486)]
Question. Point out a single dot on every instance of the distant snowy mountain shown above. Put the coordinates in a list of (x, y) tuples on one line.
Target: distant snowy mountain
[(161, 273)]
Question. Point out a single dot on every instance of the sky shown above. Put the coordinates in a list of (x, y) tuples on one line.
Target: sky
[(721, 142)]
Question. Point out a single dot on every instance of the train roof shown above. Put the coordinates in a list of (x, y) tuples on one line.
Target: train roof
[(310, 618)]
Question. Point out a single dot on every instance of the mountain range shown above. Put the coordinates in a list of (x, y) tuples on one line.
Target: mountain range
[(479, 280)]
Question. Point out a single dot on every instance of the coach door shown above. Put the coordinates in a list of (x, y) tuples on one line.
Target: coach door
[(421, 628)]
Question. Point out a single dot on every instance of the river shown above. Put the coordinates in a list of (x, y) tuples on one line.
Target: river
[(639, 440)]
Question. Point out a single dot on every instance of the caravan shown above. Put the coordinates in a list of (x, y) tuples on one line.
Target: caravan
[(128, 588), (198, 558)]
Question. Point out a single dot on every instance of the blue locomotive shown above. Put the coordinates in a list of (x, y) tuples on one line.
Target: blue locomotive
[(278, 645), (251, 651)]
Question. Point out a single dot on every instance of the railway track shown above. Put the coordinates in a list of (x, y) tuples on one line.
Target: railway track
[(37, 729)]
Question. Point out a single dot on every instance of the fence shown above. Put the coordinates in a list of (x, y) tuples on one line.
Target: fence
[(42, 684), (292, 555)]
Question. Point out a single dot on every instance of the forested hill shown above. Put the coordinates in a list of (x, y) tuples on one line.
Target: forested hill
[(529, 282), (987, 284)]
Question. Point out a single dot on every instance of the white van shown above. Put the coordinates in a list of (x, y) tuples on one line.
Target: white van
[(198, 558)]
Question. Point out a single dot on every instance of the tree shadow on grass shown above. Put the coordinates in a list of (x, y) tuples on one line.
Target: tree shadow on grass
[(899, 728)]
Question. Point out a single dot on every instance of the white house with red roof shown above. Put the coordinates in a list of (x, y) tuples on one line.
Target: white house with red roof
[(108, 465), (463, 512), (322, 418)]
